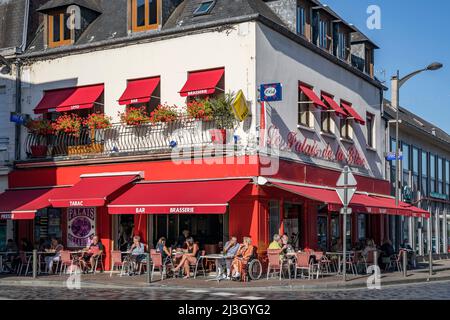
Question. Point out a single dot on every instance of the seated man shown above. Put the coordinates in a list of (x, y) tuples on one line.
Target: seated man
[(230, 250), (55, 251), (90, 255), (276, 243)]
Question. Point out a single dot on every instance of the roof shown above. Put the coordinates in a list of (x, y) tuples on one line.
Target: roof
[(53, 4), (413, 120), (12, 13)]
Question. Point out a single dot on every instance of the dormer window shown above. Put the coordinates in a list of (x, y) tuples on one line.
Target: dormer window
[(301, 20), (204, 8), (59, 33), (323, 33), (145, 15)]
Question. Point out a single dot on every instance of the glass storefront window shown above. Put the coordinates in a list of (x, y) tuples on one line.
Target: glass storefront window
[(47, 225), (415, 161), (362, 227), (405, 161), (335, 230), (274, 218), (292, 225), (322, 234), (3, 235)]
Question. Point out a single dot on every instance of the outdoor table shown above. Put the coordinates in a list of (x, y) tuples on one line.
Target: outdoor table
[(215, 257), (340, 255)]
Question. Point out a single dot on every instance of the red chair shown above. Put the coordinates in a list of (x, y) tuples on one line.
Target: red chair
[(275, 263), (157, 263), (24, 262), (65, 260), (116, 261), (303, 262)]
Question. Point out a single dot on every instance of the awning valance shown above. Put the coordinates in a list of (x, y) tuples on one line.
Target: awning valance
[(93, 190), (194, 197), (352, 112), (202, 82), (68, 99), (139, 91)]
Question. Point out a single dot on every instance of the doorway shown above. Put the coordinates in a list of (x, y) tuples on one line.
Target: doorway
[(125, 232)]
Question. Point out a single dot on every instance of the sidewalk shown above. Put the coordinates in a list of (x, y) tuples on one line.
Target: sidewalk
[(104, 281)]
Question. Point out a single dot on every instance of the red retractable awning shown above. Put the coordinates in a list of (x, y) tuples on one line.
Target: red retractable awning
[(202, 82), (312, 96), (359, 203), (68, 99), (92, 190), (352, 112), (139, 91), (22, 204), (196, 197), (415, 212), (334, 105)]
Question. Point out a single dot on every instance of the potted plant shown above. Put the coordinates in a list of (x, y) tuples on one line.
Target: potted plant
[(164, 113), (200, 109), (40, 129), (68, 123), (134, 116), (223, 116), (97, 121)]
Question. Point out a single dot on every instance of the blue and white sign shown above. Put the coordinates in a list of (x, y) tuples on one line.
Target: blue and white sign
[(19, 118), (391, 156), (271, 92)]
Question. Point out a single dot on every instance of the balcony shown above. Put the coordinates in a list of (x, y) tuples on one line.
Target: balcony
[(123, 140)]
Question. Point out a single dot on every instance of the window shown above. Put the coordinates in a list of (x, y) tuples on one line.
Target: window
[(2, 89), (325, 123), (424, 173), (323, 34), (342, 46), (405, 163), (274, 218), (204, 8), (370, 130), (304, 112), (447, 179), (440, 175), (369, 61), (415, 168), (301, 20), (346, 129), (144, 14), (58, 32), (433, 173)]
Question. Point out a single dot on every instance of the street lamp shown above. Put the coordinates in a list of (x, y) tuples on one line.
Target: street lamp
[(396, 84)]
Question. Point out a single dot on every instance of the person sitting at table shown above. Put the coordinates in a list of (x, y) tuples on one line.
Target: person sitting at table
[(411, 254), (243, 255), (137, 253), (92, 253), (229, 251), (162, 248), (189, 257), (337, 245), (276, 243), (370, 246), (182, 238), (55, 254), (387, 250)]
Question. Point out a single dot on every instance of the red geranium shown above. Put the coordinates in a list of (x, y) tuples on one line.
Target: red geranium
[(68, 123), (164, 113), (134, 116), (200, 109), (97, 121), (41, 127)]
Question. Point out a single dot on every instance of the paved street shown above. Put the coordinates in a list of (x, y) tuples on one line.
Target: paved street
[(426, 291)]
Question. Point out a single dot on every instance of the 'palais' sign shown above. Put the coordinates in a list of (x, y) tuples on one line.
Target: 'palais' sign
[(312, 148)]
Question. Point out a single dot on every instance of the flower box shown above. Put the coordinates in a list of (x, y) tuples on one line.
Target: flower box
[(39, 151), (85, 149)]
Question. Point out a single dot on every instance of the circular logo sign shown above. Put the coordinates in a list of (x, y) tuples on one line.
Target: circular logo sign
[(81, 227), (270, 92)]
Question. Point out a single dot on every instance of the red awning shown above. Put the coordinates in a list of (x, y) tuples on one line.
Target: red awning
[(22, 204), (360, 202), (312, 96), (334, 105), (202, 82), (352, 112), (69, 99), (92, 190), (415, 212), (196, 197), (139, 91)]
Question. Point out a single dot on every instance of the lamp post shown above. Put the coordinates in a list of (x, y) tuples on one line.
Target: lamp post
[(396, 84)]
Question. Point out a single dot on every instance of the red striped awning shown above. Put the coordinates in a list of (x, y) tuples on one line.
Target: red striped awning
[(139, 91), (195, 197), (352, 112), (312, 96), (333, 105), (68, 99), (202, 82), (93, 190)]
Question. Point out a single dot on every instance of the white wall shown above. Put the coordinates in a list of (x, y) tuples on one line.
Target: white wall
[(7, 105), (171, 59), (283, 60)]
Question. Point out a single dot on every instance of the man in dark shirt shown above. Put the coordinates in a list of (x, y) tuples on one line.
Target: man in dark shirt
[(182, 238)]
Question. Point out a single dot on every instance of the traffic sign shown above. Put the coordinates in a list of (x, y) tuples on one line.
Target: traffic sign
[(346, 211), (351, 181), (341, 193)]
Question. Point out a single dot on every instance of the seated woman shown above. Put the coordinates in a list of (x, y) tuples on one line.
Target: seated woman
[(137, 252), (55, 251), (189, 257), (162, 248), (242, 257), (90, 254)]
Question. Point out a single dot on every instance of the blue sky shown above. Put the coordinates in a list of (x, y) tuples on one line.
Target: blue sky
[(413, 34)]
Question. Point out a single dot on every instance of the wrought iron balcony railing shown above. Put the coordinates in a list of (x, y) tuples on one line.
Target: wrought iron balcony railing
[(121, 139)]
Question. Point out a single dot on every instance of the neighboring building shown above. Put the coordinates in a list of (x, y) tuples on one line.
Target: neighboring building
[(425, 170), (280, 171)]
